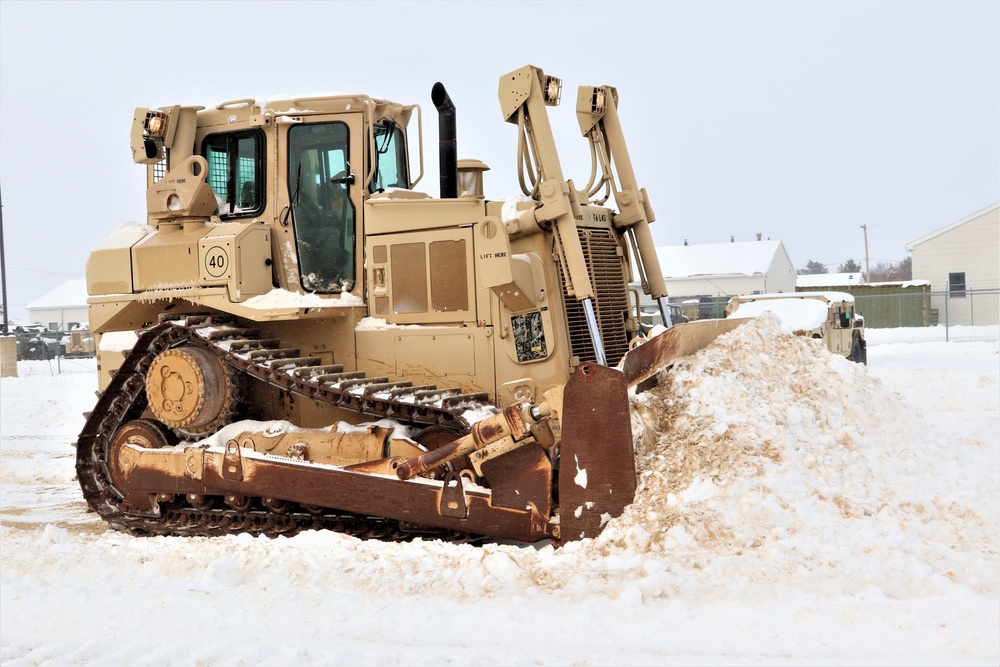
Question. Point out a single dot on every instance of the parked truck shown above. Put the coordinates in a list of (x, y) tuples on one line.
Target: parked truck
[(828, 316)]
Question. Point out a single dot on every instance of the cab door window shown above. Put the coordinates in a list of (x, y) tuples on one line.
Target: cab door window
[(319, 181)]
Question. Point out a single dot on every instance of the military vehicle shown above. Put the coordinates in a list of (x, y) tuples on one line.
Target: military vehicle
[(829, 316), (321, 345), (35, 342), (79, 342)]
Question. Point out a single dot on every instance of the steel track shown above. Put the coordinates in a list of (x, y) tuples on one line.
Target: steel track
[(124, 400)]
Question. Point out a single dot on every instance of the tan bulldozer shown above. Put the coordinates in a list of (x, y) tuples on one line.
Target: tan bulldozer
[(299, 338)]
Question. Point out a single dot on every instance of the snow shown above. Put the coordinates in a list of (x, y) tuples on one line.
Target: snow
[(902, 283), (795, 314), (794, 508), (381, 324), (580, 479), (70, 294), (118, 341), (826, 294), (829, 279), (126, 235), (748, 258), (510, 212), (282, 298)]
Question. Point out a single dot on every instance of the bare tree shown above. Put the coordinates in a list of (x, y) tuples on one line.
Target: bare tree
[(906, 268), (882, 272)]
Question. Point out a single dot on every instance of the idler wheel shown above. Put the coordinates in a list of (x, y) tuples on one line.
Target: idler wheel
[(144, 433), (189, 389)]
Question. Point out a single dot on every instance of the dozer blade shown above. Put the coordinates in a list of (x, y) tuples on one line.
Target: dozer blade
[(648, 359), (597, 465)]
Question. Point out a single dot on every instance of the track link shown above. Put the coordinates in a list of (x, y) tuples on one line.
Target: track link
[(244, 350)]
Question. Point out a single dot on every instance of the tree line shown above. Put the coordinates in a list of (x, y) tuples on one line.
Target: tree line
[(880, 272)]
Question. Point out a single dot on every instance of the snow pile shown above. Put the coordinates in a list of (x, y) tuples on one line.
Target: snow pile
[(767, 462), (795, 314)]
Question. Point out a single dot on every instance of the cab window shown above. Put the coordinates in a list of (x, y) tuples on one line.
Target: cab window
[(236, 172), (390, 157), (319, 180)]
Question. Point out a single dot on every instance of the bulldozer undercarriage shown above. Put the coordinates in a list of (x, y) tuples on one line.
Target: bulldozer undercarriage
[(189, 373)]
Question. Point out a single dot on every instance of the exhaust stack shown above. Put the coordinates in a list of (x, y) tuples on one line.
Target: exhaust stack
[(447, 143)]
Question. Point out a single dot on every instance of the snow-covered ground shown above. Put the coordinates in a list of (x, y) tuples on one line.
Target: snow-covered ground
[(794, 508)]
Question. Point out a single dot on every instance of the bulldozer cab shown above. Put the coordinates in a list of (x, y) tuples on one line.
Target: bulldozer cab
[(306, 164)]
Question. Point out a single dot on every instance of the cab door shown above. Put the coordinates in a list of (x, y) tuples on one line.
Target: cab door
[(323, 216), (320, 194)]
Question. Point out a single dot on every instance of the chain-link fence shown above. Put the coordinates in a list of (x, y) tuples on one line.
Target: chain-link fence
[(969, 315)]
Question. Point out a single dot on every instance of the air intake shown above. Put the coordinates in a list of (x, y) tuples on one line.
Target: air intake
[(607, 275)]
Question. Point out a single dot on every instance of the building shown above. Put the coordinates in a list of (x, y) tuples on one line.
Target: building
[(724, 269), (962, 263), (710, 273), (60, 307)]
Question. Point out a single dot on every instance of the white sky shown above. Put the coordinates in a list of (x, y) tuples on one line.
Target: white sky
[(802, 121)]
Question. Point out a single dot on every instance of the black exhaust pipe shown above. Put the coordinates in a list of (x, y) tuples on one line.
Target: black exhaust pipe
[(447, 143)]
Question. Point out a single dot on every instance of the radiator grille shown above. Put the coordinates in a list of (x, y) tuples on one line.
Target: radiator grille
[(607, 275)]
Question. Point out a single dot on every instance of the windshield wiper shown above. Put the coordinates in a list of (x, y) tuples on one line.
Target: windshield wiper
[(298, 187)]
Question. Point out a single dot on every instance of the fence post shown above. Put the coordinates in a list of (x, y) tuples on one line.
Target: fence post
[(947, 298)]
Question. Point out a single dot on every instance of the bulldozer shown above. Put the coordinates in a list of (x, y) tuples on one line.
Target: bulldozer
[(315, 343)]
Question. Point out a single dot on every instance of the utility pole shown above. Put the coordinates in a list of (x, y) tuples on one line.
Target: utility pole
[(867, 269)]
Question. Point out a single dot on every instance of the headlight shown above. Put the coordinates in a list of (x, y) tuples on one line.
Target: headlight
[(552, 91)]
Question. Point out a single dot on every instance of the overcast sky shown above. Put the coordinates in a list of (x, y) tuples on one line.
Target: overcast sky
[(802, 121)]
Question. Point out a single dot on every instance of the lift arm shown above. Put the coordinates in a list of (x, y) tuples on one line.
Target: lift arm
[(597, 111), (524, 94)]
